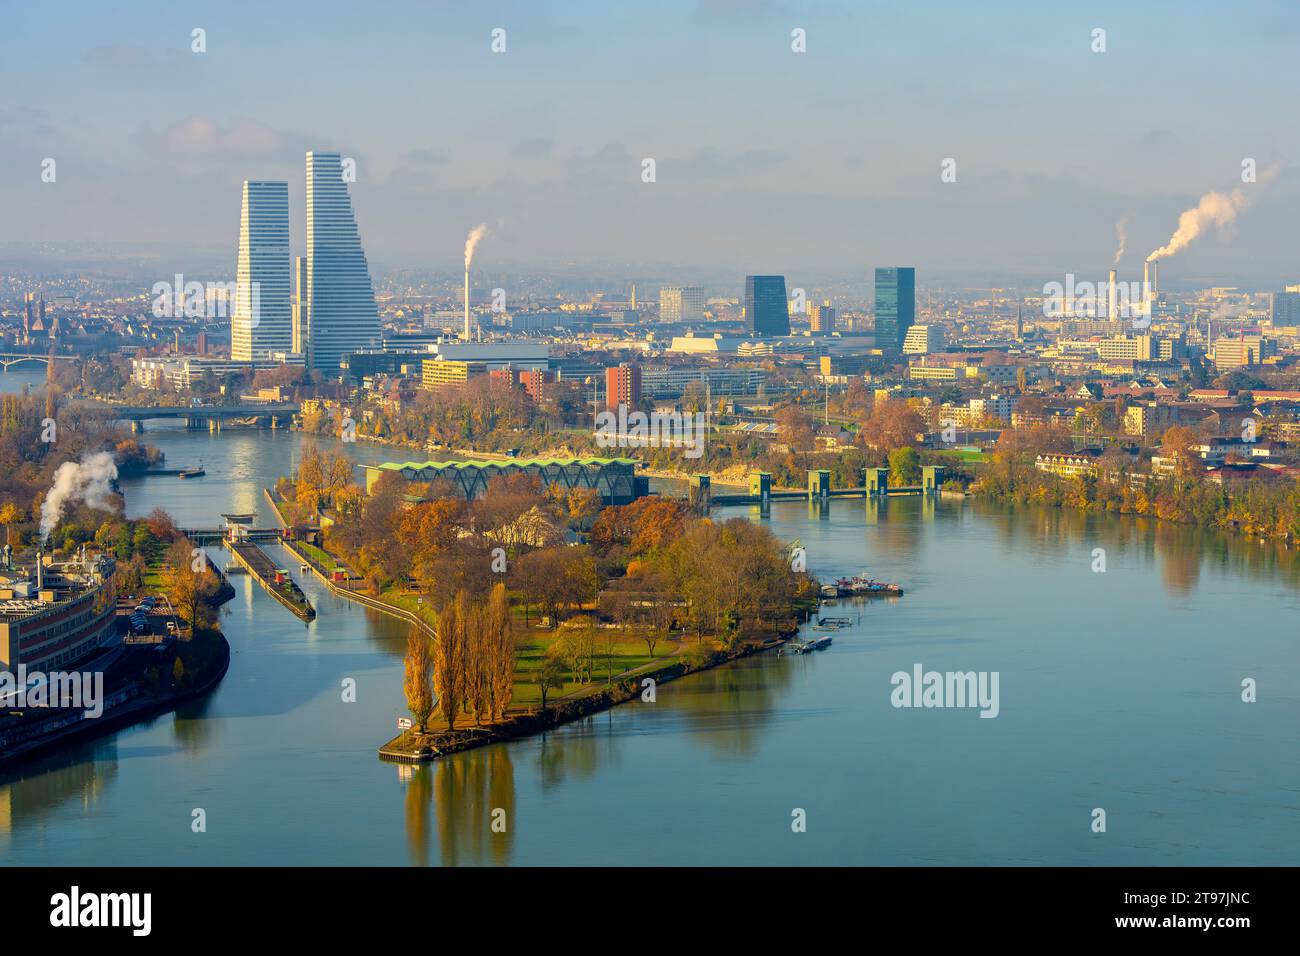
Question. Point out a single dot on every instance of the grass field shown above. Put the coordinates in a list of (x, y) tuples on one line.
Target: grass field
[(323, 558), (630, 652)]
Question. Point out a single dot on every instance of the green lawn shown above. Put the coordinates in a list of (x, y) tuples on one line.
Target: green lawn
[(323, 558), (530, 651)]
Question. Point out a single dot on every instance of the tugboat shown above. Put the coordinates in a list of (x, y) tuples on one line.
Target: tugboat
[(192, 473)]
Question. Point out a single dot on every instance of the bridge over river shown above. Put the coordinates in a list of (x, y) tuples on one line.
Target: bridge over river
[(197, 417)]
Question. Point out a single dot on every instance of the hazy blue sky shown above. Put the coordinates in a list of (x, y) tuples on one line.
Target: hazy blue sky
[(768, 160)]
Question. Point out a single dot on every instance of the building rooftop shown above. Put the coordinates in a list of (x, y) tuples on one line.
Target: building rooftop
[(499, 463)]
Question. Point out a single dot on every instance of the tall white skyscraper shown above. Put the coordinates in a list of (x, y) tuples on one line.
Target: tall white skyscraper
[(681, 303), (260, 322), (339, 314), (299, 303)]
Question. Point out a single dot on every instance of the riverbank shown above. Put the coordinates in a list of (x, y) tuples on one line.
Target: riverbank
[(132, 702), (1268, 511), (128, 697), (410, 747)]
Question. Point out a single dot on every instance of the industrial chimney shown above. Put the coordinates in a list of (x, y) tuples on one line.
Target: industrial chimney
[(1112, 307), (467, 328)]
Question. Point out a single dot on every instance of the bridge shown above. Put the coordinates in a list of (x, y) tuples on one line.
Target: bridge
[(202, 536), (17, 358), (196, 416)]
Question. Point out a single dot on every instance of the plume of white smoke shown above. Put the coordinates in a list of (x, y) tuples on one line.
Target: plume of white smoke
[(89, 480), (1121, 233), (1214, 209), (472, 241)]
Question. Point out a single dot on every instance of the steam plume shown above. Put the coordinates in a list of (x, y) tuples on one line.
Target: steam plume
[(472, 241), (1121, 233), (88, 481), (1215, 208)]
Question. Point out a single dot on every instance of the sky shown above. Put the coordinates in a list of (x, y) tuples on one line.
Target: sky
[(826, 162)]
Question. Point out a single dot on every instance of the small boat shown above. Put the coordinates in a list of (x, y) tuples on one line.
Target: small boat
[(806, 647), (191, 473), (863, 586)]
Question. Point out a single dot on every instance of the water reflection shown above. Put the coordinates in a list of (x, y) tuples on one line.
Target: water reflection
[(470, 792), (35, 791), (1182, 553)]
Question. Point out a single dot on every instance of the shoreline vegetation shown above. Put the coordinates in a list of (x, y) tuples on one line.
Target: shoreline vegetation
[(532, 607), (873, 433), (152, 685), (40, 439), (1261, 507)]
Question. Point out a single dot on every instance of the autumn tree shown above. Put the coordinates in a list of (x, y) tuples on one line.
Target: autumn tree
[(891, 424), (417, 682), (8, 515), (191, 584), (477, 651), (549, 676), (795, 428), (1179, 441), (502, 643), (449, 665)]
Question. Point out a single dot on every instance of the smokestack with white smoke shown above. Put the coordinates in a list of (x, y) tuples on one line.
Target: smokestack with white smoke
[(89, 480), (471, 243), (1121, 233), (1214, 209)]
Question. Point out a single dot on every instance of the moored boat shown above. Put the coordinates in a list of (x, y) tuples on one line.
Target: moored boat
[(861, 585)]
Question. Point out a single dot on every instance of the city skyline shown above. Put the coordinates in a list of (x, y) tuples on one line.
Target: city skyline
[(546, 140)]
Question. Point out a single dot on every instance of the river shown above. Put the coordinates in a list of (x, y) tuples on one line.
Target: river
[(1118, 690)]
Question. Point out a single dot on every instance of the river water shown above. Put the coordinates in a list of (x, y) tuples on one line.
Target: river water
[(1118, 690)]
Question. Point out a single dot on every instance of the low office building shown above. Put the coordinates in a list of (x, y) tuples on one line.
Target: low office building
[(436, 373)]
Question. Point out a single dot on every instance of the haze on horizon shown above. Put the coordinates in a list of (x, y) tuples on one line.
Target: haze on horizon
[(767, 160)]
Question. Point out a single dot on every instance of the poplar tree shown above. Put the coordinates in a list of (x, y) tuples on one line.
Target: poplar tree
[(418, 680), (502, 642), (449, 665)]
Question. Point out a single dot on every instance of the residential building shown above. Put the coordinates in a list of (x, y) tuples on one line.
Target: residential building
[(681, 303), (623, 386), (1284, 307), (823, 317)]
